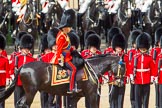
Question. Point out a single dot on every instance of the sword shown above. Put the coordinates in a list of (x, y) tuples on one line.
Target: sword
[(135, 67)]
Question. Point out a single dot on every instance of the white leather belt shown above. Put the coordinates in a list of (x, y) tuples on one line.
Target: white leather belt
[(143, 70), (2, 71)]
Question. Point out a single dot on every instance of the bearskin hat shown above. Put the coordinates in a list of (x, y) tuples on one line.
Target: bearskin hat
[(27, 41), (134, 34), (68, 19), (161, 42), (2, 42), (44, 43), (111, 33), (118, 40), (18, 37), (143, 41), (51, 36), (158, 34), (93, 40), (89, 32), (74, 39)]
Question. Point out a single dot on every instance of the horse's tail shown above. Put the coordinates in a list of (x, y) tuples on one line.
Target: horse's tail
[(6, 93)]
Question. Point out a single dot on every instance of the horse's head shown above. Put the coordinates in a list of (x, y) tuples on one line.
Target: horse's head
[(101, 12), (103, 63)]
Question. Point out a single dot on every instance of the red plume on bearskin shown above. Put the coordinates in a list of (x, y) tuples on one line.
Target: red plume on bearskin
[(2, 42), (68, 19), (27, 41), (119, 41), (143, 41), (51, 36)]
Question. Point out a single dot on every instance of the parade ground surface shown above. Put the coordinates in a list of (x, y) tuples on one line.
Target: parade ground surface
[(103, 103)]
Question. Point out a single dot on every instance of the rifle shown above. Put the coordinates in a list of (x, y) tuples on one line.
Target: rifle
[(159, 65), (130, 56), (16, 64), (135, 67), (154, 55)]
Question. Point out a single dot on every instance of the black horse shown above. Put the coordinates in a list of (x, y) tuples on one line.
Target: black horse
[(123, 18), (154, 17), (52, 17), (4, 19), (92, 19), (36, 76)]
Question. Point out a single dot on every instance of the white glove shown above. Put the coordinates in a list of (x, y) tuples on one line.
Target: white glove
[(131, 77), (156, 80), (7, 82), (12, 77), (128, 80), (152, 79)]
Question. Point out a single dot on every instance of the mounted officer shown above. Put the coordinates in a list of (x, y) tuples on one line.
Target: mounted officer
[(63, 53)]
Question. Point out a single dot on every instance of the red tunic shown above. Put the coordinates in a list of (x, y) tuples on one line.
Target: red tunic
[(63, 47), (108, 50), (4, 70), (22, 59), (4, 53), (87, 54), (145, 69), (48, 57), (159, 71), (158, 50)]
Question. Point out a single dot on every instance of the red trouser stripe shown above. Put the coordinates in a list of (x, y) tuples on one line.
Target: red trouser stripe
[(72, 75)]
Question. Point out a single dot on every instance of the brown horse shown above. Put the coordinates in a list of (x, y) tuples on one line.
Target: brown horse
[(36, 76)]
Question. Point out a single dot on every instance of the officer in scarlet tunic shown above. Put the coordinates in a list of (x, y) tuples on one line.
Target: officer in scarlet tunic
[(26, 44), (4, 68), (63, 53), (142, 71)]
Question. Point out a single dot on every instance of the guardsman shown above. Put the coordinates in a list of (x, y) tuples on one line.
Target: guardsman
[(109, 50), (4, 68), (116, 97), (93, 43), (17, 50), (158, 70), (134, 34), (111, 34), (142, 71), (26, 44), (154, 53), (63, 53)]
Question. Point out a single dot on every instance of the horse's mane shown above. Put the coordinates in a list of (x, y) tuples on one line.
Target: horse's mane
[(102, 56)]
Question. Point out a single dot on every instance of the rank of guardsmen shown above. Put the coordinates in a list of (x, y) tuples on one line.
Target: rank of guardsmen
[(143, 62)]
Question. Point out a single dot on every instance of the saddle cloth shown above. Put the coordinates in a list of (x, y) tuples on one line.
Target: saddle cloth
[(62, 76)]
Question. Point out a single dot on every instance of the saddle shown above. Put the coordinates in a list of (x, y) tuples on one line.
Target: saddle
[(61, 75)]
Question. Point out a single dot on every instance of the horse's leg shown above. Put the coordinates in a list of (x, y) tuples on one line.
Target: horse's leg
[(93, 100), (72, 101)]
